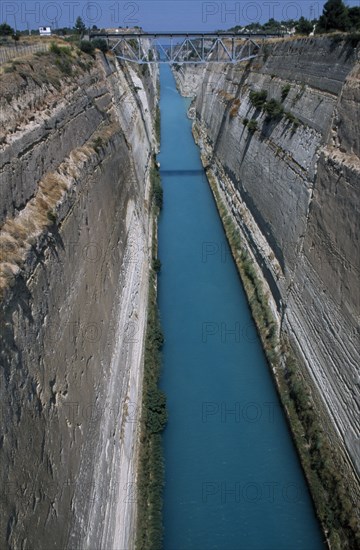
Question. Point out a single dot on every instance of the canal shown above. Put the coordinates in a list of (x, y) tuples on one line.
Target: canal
[(232, 476)]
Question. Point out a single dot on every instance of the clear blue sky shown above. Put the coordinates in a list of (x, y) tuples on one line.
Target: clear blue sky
[(156, 14)]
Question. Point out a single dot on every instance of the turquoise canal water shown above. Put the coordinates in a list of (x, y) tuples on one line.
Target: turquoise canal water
[(233, 479)]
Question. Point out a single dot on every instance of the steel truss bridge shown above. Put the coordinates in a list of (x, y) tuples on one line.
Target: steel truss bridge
[(184, 47)]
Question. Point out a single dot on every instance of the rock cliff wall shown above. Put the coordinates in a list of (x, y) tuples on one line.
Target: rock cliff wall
[(292, 184), (77, 141)]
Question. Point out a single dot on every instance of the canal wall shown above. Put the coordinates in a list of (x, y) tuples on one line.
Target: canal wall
[(288, 174), (77, 140)]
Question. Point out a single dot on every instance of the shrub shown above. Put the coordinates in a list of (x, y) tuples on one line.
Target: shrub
[(73, 39), (299, 94), (97, 143), (245, 121), (158, 123), (9, 69), (145, 69), (87, 47), (158, 196), (156, 410), (293, 119), (66, 50), (156, 188), (51, 217), (289, 116), (258, 99), (252, 125), (273, 109), (64, 65), (156, 265), (100, 44), (54, 48), (85, 65), (63, 58), (285, 92), (353, 39)]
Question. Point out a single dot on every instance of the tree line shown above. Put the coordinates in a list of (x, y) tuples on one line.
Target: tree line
[(79, 28), (336, 16)]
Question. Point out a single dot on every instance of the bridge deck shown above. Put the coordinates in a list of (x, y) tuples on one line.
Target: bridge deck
[(192, 34)]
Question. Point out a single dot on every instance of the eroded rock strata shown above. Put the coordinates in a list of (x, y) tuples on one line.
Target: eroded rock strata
[(291, 183), (76, 149)]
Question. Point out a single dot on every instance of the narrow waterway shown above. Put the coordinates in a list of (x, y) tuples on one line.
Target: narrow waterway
[(233, 479)]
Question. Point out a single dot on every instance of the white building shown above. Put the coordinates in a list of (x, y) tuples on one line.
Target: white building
[(45, 31)]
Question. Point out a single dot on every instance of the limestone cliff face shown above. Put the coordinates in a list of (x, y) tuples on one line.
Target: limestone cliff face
[(74, 243), (292, 184)]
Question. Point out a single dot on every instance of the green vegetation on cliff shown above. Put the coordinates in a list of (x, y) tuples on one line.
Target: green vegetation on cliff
[(254, 289), (331, 494), (328, 485), (258, 99), (154, 413), (156, 188), (272, 108), (157, 123)]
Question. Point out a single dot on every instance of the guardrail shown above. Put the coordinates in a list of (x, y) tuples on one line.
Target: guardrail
[(8, 53)]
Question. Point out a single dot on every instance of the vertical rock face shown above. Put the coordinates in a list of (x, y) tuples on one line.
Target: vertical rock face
[(74, 244), (292, 184)]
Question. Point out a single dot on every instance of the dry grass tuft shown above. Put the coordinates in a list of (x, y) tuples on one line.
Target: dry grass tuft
[(28, 224), (19, 234), (235, 107), (43, 204), (52, 187), (15, 230), (8, 248), (39, 216), (73, 171), (225, 95), (8, 274), (78, 155)]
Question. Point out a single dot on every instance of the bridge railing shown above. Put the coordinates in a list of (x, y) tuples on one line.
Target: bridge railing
[(8, 53)]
